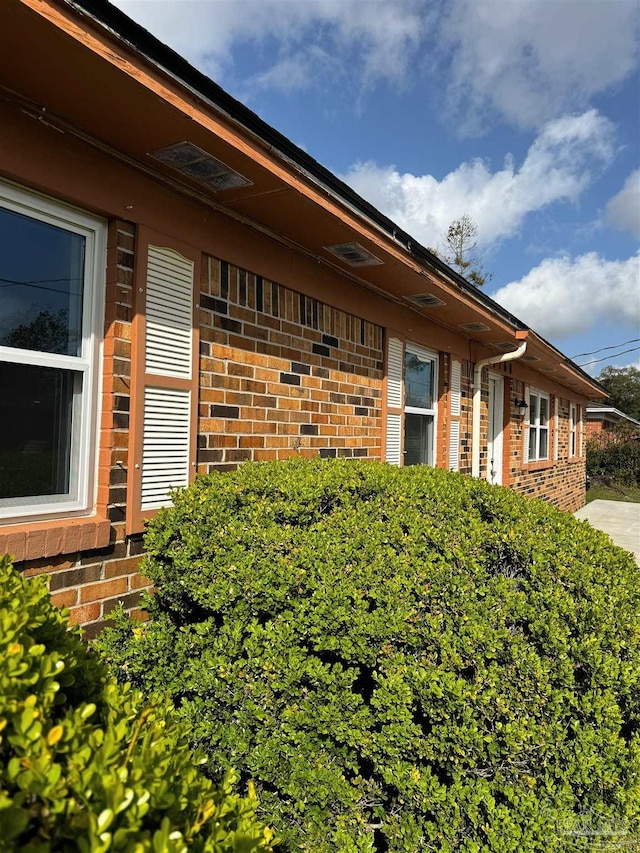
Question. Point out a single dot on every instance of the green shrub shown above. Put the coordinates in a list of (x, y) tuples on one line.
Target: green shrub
[(86, 764), (403, 659), (619, 460)]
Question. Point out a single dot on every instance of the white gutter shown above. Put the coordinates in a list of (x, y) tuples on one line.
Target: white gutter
[(477, 388)]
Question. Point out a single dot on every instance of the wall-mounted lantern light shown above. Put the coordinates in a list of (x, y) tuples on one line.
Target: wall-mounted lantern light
[(521, 405)]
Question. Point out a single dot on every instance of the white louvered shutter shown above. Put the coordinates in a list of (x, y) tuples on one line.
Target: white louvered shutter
[(165, 391), (454, 411), (395, 368), (169, 303), (165, 444), (394, 438), (525, 429), (395, 364), (556, 427)]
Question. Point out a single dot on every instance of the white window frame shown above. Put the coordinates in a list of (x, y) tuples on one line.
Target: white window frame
[(428, 356), (85, 366), (536, 429), (573, 430)]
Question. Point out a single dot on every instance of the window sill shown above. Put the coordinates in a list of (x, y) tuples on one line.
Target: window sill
[(539, 465), (50, 538)]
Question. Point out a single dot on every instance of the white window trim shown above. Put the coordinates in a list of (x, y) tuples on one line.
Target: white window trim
[(573, 430), (84, 430), (537, 427), (426, 355)]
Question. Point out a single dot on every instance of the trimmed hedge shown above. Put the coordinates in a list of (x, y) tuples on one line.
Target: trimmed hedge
[(403, 659), (617, 459), (88, 765)]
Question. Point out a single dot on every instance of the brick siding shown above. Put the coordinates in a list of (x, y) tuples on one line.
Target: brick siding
[(282, 374), (560, 481)]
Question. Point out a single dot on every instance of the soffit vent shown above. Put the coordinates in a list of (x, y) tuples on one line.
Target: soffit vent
[(475, 327), (354, 254), (196, 164), (529, 358), (426, 300), (547, 369), (504, 345)]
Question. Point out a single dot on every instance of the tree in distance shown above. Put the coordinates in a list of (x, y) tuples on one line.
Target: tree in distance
[(461, 251), (623, 387)]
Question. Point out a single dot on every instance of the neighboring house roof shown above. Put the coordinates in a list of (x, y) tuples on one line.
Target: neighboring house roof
[(609, 413), (293, 169)]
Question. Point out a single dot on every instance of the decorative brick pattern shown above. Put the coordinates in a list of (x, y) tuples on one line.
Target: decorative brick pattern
[(282, 374)]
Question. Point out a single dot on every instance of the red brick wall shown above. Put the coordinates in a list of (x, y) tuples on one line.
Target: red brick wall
[(562, 482), (282, 374), (601, 431)]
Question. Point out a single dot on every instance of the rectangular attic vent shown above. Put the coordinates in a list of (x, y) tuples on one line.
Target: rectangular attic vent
[(426, 300), (475, 327), (354, 254), (530, 358), (505, 345), (196, 164)]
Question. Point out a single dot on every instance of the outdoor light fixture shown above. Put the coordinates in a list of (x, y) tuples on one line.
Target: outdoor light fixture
[(521, 405)]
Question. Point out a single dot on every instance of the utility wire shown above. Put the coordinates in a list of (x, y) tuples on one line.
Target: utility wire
[(9, 282), (607, 357), (602, 349)]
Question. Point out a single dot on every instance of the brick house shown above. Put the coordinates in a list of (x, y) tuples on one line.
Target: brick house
[(603, 423), (184, 290)]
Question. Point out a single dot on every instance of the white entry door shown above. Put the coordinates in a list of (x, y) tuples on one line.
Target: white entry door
[(494, 429)]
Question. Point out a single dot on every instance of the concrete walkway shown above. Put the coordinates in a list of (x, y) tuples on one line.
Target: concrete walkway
[(620, 519)]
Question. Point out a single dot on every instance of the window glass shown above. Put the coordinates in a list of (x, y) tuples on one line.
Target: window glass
[(36, 418), (41, 285), (538, 426), (418, 381), (534, 409), (418, 439), (51, 263), (544, 411), (544, 444)]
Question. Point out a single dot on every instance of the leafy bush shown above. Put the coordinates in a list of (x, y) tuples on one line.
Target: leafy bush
[(403, 659), (618, 460), (86, 764)]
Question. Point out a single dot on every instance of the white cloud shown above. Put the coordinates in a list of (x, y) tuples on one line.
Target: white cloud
[(369, 41), (623, 209), (568, 296), (557, 167), (530, 60), (525, 60)]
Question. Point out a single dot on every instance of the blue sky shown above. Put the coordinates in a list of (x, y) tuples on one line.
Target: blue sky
[(523, 114)]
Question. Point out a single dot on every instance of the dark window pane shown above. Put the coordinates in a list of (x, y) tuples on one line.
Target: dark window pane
[(418, 378), (41, 282), (418, 439), (534, 409), (532, 443), (544, 444), (544, 411), (36, 407)]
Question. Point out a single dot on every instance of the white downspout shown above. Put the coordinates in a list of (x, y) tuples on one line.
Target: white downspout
[(477, 388)]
